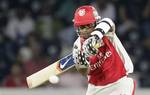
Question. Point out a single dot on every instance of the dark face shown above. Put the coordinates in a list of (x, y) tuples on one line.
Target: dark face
[(85, 31)]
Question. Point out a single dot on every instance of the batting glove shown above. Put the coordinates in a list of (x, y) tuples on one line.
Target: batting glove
[(82, 59), (90, 46)]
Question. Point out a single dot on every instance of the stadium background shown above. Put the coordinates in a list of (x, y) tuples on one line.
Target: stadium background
[(35, 33)]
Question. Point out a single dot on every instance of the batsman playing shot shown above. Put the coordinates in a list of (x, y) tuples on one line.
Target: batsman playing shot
[(99, 54)]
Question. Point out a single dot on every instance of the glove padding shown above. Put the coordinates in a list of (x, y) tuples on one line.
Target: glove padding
[(82, 59), (90, 45)]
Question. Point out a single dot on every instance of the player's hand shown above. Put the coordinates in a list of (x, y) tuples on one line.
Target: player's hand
[(91, 45)]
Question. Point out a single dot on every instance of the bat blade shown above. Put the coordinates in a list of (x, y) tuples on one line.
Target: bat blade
[(56, 68)]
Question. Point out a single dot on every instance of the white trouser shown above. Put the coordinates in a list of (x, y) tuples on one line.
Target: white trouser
[(124, 86)]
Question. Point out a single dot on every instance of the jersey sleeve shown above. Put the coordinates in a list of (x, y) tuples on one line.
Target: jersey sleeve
[(122, 52)]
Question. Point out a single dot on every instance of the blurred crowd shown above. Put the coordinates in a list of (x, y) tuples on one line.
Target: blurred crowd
[(36, 33)]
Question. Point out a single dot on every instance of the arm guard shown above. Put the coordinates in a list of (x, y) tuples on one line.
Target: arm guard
[(104, 26)]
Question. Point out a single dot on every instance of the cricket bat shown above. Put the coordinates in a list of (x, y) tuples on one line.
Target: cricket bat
[(56, 68)]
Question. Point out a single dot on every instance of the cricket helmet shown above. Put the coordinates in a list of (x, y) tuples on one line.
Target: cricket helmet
[(85, 15)]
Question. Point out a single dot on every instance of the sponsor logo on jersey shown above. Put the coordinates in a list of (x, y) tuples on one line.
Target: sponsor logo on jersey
[(103, 58)]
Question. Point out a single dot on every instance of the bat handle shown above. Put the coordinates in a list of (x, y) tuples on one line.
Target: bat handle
[(97, 46)]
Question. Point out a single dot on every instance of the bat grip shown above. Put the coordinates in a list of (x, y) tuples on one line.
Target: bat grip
[(97, 46)]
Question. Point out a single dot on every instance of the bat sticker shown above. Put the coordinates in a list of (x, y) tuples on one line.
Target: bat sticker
[(66, 62)]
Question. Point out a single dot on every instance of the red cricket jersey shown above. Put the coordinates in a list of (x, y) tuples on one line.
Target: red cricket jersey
[(106, 67)]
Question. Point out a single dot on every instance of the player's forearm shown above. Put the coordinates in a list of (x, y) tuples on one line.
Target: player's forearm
[(103, 27), (83, 71)]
